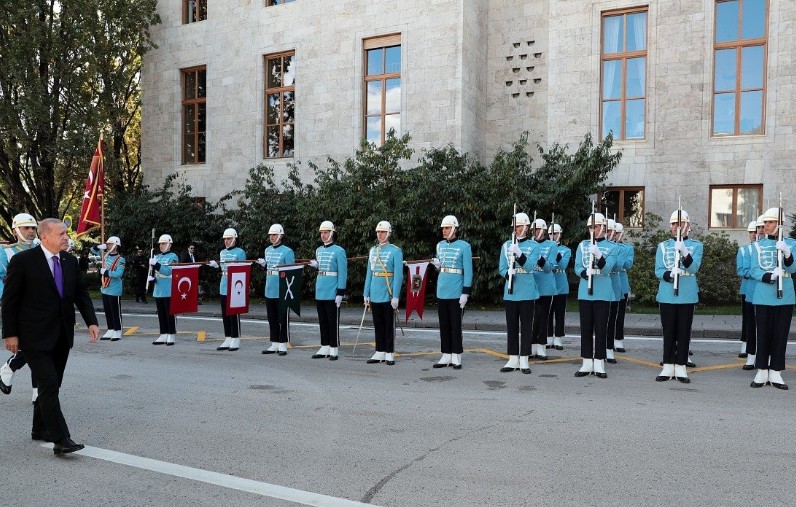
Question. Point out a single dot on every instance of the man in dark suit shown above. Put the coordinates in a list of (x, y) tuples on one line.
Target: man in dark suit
[(43, 286), (190, 255)]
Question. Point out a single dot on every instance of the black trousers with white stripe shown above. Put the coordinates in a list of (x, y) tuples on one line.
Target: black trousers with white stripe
[(541, 313), (593, 328), (450, 326), (773, 325), (231, 322), (113, 311), (327, 321)]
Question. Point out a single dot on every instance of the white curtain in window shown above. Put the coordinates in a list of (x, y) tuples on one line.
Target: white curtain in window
[(639, 30), (612, 27)]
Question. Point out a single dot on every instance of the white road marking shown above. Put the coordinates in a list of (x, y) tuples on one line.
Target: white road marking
[(223, 480)]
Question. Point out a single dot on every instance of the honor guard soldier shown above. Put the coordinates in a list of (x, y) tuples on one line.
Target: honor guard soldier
[(616, 283), (772, 267), (230, 253), (545, 284), (330, 289), (677, 261), (743, 266), (111, 275), (555, 319), (276, 255), (382, 286), (518, 259), (454, 261), (594, 260), (24, 227), (161, 269), (626, 259)]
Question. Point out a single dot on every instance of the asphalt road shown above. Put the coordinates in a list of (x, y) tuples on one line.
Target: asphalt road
[(188, 425)]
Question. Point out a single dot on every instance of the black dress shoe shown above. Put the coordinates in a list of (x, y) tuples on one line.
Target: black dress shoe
[(390, 363), (374, 361), (319, 356), (459, 367), (43, 436), (756, 385), (582, 373), (233, 349), (662, 378), (269, 351), (748, 367), (105, 338), (169, 344), (784, 387), (66, 446), (620, 350), (559, 347), (548, 346), (114, 339), (158, 343), (742, 354), (440, 365), (684, 380), (601, 375), (690, 364), (6, 389), (333, 358), (611, 361), (526, 371), (507, 369), (222, 348), (282, 352), (542, 358)]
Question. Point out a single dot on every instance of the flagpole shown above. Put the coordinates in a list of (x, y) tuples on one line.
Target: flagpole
[(102, 203)]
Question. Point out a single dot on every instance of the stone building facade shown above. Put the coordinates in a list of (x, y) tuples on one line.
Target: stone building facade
[(702, 92)]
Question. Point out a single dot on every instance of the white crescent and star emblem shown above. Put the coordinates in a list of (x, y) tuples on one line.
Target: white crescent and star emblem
[(184, 294)]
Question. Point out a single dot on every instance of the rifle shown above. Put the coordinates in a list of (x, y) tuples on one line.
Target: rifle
[(679, 238), (512, 258), (780, 257), (151, 255), (591, 255)]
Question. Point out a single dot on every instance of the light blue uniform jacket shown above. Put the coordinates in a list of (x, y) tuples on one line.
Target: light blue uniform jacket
[(456, 269), (228, 255), (114, 264), (385, 273), (763, 262), (162, 272), (524, 285), (332, 272), (275, 256), (664, 262), (603, 289)]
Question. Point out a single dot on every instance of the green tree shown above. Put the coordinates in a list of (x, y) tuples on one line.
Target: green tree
[(68, 71)]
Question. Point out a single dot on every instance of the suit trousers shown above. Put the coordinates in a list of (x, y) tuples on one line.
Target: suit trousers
[(519, 324), (168, 323), (540, 316), (557, 312), (676, 322), (327, 321), (277, 320), (450, 326), (113, 311), (384, 326), (593, 328), (231, 322), (773, 325), (620, 318), (48, 370)]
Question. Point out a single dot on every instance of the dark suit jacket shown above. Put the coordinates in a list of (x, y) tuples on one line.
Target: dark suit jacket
[(32, 308)]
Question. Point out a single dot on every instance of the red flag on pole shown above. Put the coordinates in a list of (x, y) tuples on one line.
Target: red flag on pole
[(184, 289), (90, 214), (416, 289), (238, 288)]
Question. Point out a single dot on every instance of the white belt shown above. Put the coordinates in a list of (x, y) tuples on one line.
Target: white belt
[(558, 271), (521, 271), (274, 272), (596, 272), (327, 273), (158, 275), (686, 273), (455, 271)]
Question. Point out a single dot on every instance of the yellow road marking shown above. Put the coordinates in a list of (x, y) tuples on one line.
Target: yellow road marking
[(130, 331), (200, 336)]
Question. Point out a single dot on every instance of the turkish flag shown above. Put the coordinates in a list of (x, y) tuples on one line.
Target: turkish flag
[(238, 288), (184, 289), (416, 288), (90, 211)]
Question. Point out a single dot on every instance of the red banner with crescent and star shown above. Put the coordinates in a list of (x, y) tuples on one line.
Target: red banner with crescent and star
[(238, 288), (416, 288), (90, 212), (184, 289)]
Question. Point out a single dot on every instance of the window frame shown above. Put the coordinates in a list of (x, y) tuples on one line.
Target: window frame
[(624, 56), (735, 188), (281, 90), (379, 42), (738, 45), (194, 101), (620, 212), (186, 10)]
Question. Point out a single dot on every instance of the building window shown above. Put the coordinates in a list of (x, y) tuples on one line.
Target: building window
[(734, 206), (194, 115), (280, 104), (623, 87), (382, 73), (739, 67), (269, 3), (193, 11), (627, 203)]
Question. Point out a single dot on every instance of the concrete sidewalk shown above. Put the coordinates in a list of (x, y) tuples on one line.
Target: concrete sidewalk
[(705, 326)]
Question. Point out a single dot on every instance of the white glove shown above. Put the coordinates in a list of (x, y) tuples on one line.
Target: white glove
[(367, 300), (591, 271), (102, 271), (314, 264), (595, 251), (511, 272), (436, 262), (784, 248), (102, 246), (776, 273), (675, 272), (338, 300), (394, 303), (150, 279), (213, 264), (153, 261), (680, 247), (463, 300), (261, 262), (515, 249)]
